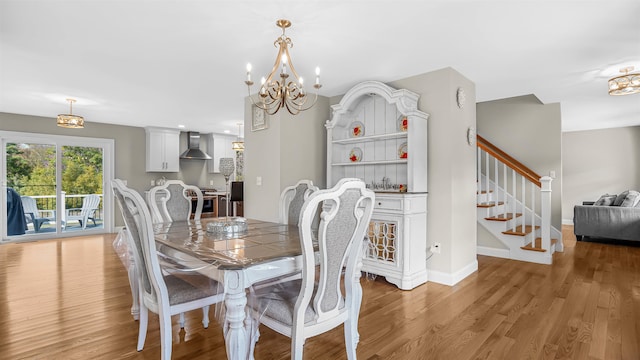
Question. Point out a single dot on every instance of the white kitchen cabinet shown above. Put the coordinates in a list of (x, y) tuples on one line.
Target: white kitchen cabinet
[(221, 145), (162, 150), (377, 134)]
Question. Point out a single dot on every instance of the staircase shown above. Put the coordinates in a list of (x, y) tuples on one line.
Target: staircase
[(514, 205)]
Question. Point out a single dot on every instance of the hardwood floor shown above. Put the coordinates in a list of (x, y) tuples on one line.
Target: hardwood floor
[(70, 299)]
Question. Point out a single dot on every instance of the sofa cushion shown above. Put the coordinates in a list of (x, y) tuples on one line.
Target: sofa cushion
[(605, 200), (631, 200), (620, 198)]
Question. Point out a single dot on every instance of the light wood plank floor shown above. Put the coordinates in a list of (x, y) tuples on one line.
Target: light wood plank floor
[(70, 299)]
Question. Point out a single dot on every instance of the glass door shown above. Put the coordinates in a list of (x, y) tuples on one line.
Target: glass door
[(31, 188), (82, 180), (54, 186)]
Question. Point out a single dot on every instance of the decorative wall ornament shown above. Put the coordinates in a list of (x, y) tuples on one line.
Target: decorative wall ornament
[(471, 136), (258, 119), (461, 97)]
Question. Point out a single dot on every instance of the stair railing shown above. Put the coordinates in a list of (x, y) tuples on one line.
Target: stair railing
[(495, 169)]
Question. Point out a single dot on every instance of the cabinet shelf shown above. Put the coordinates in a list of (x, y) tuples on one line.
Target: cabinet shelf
[(381, 162), (399, 135)]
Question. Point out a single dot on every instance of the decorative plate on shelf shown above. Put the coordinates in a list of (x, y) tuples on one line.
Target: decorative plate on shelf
[(355, 155), (402, 151), (403, 123), (356, 129)]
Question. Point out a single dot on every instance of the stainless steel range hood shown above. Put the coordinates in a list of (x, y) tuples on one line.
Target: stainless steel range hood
[(193, 148)]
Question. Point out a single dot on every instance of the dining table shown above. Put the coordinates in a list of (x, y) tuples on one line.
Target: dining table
[(236, 260)]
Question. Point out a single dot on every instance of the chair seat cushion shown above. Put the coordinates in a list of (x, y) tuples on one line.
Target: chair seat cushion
[(278, 302), (185, 288)]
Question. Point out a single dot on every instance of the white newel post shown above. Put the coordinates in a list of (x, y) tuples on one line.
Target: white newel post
[(545, 213)]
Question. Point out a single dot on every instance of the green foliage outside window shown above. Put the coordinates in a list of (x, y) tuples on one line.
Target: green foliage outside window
[(31, 170)]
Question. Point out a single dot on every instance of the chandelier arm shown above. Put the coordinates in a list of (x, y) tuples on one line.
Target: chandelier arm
[(251, 98), (276, 108), (293, 70), (315, 99), (276, 64)]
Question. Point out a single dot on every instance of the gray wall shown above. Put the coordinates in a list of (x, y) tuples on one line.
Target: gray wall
[(530, 132), (451, 217), (292, 148), (596, 162), (129, 151)]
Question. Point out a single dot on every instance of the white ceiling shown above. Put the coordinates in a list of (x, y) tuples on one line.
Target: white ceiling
[(165, 63)]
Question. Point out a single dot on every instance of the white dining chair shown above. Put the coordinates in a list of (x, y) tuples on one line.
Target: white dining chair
[(291, 200), (163, 294), (172, 201), (316, 303), (90, 205)]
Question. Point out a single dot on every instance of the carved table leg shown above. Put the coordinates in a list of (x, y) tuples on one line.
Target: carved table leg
[(237, 336)]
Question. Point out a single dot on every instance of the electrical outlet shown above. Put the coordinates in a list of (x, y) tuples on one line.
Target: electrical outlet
[(153, 182), (259, 180), (435, 248), (210, 182)]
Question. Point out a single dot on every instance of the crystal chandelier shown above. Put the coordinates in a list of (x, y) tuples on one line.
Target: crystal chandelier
[(69, 120), (238, 145), (278, 90), (625, 84)]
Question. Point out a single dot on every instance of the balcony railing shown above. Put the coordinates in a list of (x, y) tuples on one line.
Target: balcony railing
[(47, 203)]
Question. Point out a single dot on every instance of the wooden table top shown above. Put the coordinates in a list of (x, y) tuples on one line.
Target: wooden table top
[(263, 242)]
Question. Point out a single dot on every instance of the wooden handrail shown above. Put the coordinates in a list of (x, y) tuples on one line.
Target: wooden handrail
[(508, 160)]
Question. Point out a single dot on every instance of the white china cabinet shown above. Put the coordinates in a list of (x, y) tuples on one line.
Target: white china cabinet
[(163, 150), (378, 134)]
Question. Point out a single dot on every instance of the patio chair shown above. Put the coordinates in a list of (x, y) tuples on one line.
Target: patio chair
[(82, 215), (32, 214)]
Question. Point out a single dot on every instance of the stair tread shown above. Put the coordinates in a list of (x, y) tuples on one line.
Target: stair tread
[(489, 204), (502, 217), (537, 246), (519, 231)]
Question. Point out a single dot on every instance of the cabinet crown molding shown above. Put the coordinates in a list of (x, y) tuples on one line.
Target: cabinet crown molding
[(405, 101)]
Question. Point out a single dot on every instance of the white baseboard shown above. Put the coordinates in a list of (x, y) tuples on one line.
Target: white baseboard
[(451, 279), (567, 221), (495, 252)]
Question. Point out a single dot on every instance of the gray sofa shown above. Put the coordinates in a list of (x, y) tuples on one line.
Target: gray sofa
[(608, 219)]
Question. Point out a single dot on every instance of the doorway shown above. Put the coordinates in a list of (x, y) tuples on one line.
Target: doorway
[(54, 186)]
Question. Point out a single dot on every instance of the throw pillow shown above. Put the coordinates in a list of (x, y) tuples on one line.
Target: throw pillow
[(605, 200), (620, 198), (631, 200)]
